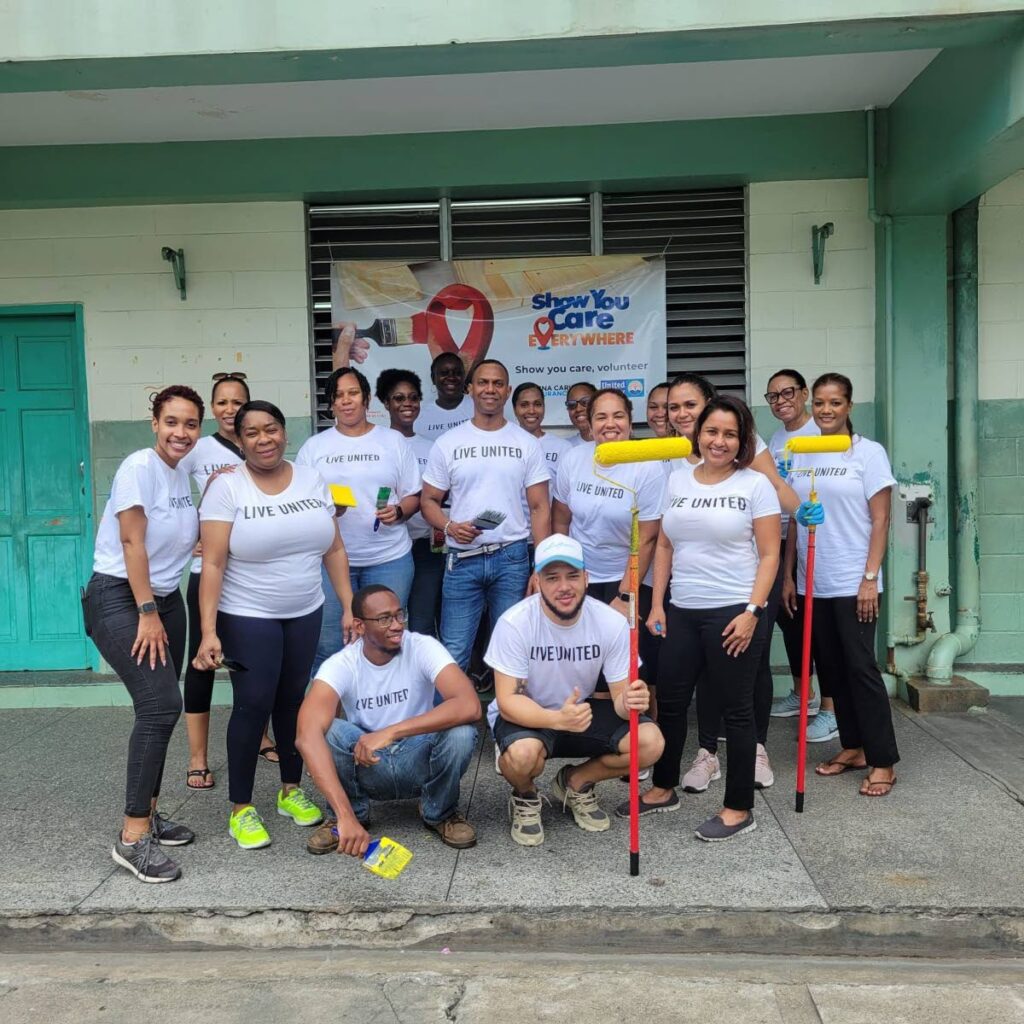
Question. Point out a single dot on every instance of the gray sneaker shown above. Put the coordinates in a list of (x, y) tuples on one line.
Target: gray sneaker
[(582, 803), (145, 860), (170, 833), (527, 828), (714, 830)]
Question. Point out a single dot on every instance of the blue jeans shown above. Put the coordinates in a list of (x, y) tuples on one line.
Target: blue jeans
[(425, 596), (496, 581), (396, 575), (429, 766)]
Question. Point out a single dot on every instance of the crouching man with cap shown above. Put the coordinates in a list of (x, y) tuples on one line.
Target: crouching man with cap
[(394, 743), (547, 652)]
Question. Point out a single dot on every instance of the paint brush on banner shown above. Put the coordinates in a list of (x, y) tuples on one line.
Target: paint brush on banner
[(383, 494)]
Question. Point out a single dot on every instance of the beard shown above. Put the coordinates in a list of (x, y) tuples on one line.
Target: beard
[(558, 613)]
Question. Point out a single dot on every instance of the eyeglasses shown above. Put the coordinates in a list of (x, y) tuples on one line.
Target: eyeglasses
[(228, 376), (401, 398), (785, 395), (571, 403), (387, 618)]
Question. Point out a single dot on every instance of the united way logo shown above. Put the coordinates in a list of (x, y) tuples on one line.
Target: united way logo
[(632, 386)]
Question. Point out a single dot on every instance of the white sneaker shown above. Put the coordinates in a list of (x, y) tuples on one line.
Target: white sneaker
[(527, 829), (763, 775), (704, 770), (789, 705), (497, 758)]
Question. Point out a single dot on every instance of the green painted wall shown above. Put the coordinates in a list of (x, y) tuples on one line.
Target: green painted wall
[(1001, 506)]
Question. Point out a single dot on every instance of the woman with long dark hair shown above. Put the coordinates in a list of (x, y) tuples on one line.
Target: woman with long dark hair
[(135, 615)]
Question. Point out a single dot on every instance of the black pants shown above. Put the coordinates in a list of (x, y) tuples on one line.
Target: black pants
[(693, 657), (425, 596), (278, 656), (792, 628), (650, 646), (198, 682), (844, 651), (114, 624), (709, 712)]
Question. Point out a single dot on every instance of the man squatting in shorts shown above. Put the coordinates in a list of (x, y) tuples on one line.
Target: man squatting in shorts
[(547, 652)]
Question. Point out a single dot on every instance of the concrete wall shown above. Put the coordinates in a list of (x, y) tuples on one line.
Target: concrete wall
[(246, 308), (1001, 370), (793, 322)]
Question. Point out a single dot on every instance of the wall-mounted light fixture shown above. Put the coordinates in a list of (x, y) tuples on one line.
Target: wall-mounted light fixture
[(176, 258), (818, 236)]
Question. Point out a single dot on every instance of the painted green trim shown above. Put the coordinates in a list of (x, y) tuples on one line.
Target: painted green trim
[(85, 695), (76, 311), (958, 129), (514, 55), (534, 161)]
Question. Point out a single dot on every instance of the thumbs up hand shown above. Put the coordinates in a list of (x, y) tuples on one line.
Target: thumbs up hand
[(575, 717)]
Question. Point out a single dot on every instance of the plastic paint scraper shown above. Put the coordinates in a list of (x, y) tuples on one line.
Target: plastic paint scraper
[(386, 858)]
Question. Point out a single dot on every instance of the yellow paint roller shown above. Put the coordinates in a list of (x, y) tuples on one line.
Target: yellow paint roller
[(342, 496), (651, 449), (819, 445)]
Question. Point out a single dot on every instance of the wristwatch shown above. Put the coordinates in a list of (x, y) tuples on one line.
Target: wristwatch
[(147, 607), (625, 596), (871, 576), (756, 610)]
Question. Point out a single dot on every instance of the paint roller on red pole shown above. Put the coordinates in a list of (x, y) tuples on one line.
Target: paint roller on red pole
[(825, 444), (617, 453)]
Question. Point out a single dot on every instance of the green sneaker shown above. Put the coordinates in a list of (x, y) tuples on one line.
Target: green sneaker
[(297, 806), (247, 829)]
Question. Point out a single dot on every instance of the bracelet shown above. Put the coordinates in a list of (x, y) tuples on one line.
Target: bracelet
[(399, 514), (446, 525)]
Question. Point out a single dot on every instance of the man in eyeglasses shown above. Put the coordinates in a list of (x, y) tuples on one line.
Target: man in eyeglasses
[(577, 401), (453, 405), (393, 743)]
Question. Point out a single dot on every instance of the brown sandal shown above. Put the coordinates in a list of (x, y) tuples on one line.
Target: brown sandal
[(199, 773), (843, 766), (888, 783)]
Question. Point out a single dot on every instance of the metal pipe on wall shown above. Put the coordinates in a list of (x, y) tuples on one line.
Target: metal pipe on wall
[(964, 636)]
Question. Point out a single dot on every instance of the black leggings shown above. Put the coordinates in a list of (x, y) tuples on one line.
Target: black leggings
[(113, 620), (278, 656), (693, 657), (792, 628), (650, 646), (844, 650), (198, 682)]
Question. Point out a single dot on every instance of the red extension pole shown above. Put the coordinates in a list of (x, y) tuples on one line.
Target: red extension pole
[(805, 668), (634, 715)]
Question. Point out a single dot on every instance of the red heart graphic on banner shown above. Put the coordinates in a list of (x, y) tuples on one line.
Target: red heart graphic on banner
[(431, 327)]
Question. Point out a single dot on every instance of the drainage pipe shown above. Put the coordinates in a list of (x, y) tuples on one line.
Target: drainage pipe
[(965, 400)]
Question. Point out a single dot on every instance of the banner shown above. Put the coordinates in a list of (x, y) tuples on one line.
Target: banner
[(550, 320)]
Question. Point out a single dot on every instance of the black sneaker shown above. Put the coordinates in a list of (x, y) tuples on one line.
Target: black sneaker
[(170, 833), (145, 860), (714, 830)]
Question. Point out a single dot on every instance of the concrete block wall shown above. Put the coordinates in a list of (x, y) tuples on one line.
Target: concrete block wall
[(246, 307), (1001, 454)]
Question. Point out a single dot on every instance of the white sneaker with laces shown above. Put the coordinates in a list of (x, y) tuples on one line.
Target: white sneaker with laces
[(704, 770), (763, 775)]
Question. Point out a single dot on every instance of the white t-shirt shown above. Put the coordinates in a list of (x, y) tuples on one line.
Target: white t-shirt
[(376, 696), (602, 512), (277, 542), (711, 527), (777, 446), (553, 659), (487, 469), (553, 447), (172, 526), (844, 482), (379, 458), (418, 526), (202, 462), (434, 421)]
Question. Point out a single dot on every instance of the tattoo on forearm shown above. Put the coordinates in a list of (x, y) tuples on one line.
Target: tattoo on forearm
[(520, 686)]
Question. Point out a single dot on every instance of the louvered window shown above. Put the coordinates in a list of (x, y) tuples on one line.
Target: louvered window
[(701, 235)]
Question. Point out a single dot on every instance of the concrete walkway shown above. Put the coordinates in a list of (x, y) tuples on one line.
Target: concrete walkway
[(937, 864)]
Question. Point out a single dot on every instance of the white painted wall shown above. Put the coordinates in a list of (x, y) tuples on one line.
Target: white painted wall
[(1001, 290), (246, 308), (793, 322)]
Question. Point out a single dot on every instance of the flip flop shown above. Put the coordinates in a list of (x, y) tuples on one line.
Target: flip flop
[(843, 766), (889, 783), (197, 773), (264, 751)]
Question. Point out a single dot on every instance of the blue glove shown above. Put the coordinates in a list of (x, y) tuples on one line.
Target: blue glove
[(810, 513), (782, 464)]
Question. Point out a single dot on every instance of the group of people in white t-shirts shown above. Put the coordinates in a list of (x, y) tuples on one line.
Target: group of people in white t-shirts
[(466, 530)]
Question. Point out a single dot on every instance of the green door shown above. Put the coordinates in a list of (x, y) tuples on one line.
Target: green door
[(43, 518)]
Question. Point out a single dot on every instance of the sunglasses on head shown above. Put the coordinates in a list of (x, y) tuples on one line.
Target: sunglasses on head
[(235, 375)]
